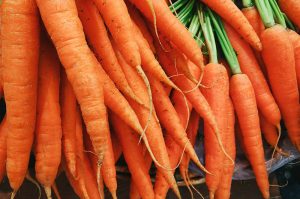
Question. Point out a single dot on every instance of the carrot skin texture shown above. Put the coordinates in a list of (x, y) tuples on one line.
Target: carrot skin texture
[(20, 41), (48, 132), (68, 121), (243, 98), (229, 11), (65, 29), (280, 63), (217, 97), (269, 131), (249, 65), (254, 19), (295, 40), (133, 155), (3, 138), (292, 9), (223, 191), (117, 19), (171, 27)]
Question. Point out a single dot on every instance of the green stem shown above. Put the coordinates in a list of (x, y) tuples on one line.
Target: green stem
[(288, 22), (225, 43), (247, 3), (279, 18), (177, 5), (185, 14), (265, 12)]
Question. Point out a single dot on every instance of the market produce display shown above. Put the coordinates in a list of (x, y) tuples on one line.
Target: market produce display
[(88, 81)]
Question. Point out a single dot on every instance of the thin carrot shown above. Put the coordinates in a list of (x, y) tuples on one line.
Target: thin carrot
[(117, 149), (133, 156), (117, 19), (243, 97), (20, 47), (292, 9), (94, 29), (280, 62), (3, 134), (171, 27), (65, 29), (232, 15), (249, 65), (223, 191), (295, 40), (48, 131), (254, 19), (68, 122)]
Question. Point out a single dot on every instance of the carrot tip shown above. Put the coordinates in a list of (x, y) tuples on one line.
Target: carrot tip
[(48, 192), (13, 194), (114, 195), (211, 195)]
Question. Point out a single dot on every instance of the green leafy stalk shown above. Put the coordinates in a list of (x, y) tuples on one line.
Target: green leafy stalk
[(265, 12), (279, 18), (288, 22), (176, 6), (225, 43)]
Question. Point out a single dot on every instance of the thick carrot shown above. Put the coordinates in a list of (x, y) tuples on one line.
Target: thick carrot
[(68, 123), (3, 134), (280, 63), (243, 98), (133, 156), (65, 29), (48, 130), (117, 19), (249, 66), (20, 47), (217, 96), (156, 140), (94, 29), (233, 15), (292, 9), (223, 191), (170, 120), (295, 39), (171, 27)]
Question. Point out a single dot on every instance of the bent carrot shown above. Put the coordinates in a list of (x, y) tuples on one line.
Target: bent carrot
[(20, 47)]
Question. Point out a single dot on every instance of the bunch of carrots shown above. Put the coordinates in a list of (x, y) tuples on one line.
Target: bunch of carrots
[(88, 81)]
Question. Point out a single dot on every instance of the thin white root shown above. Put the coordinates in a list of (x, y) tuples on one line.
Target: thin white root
[(13, 194), (48, 192), (33, 181)]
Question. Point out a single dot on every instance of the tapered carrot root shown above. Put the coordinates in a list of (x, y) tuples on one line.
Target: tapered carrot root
[(254, 19), (20, 47), (280, 63), (243, 98)]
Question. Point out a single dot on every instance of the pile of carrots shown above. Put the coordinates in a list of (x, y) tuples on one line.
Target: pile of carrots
[(88, 81)]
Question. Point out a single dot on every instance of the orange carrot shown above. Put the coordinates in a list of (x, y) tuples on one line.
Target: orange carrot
[(117, 19), (68, 122), (65, 29), (280, 63), (1, 65), (133, 156), (243, 98), (223, 191), (292, 9), (217, 96), (171, 27), (20, 47), (249, 66), (153, 132), (233, 16), (254, 19), (94, 29), (117, 149), (295, 39), (3, 133), (48, 130)]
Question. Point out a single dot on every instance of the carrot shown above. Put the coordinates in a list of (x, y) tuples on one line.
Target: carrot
[(74, 183), (171, 27), (20, 41), (243, 98), (65, 29), (295, 40), (223, 191), (170, 121), (94, 29), (217, 96), (1, 65), (254, 19), (68, 122), (153, 132), (48, 131), (280, 63), (133, 156), (229, 11), (117, 149), (3, 134), (292, 9), (117, 19), (249, 65)]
